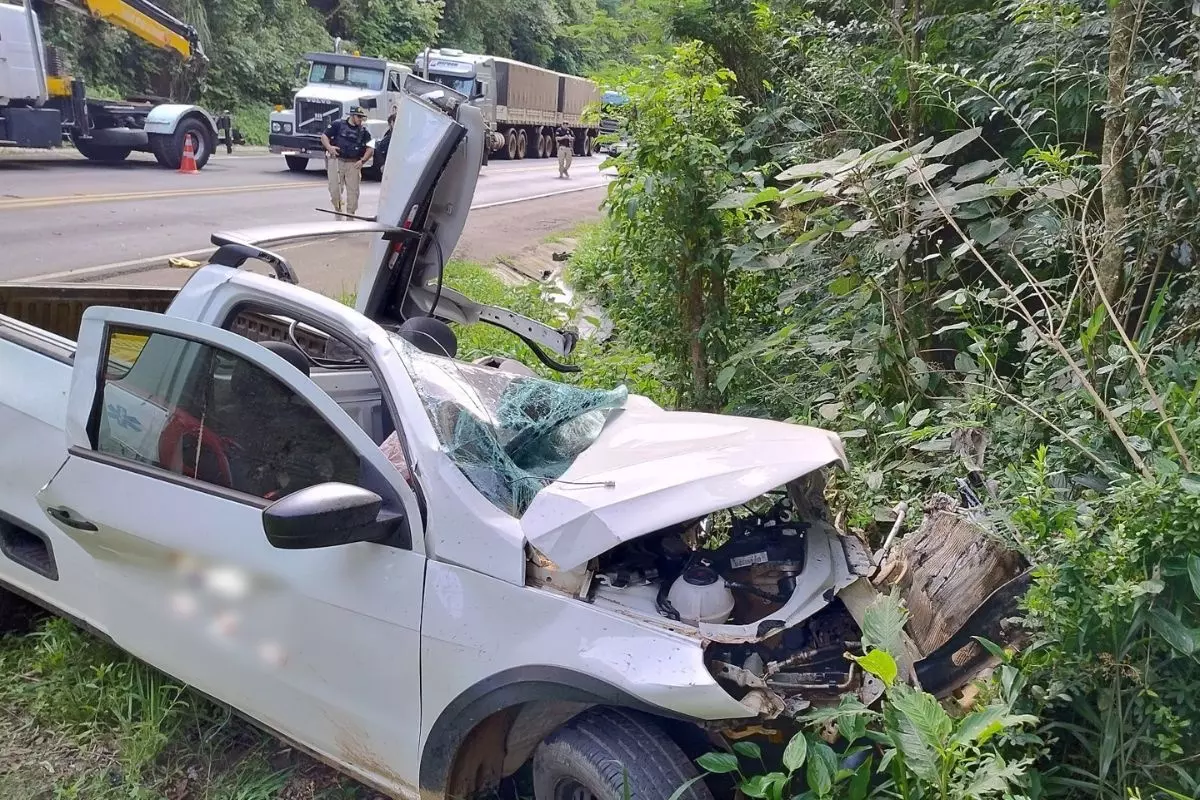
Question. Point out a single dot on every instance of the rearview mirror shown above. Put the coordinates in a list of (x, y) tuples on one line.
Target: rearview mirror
[(368, 102), (326, 515)]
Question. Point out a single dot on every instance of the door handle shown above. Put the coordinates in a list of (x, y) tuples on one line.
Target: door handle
[(64, 516)]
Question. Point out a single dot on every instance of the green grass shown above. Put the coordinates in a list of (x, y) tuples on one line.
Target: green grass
[(79, 720)]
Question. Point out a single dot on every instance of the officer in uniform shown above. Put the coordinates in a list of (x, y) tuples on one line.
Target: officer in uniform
[(566, 144), (347, 146)]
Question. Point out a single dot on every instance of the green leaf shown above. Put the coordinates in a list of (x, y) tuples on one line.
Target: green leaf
[(734, 199), (1176, 634), (859, 783), (979, 726), (1193, 565), (922, 728), (678, 793), (883, 624), (795, 752), (718, 763), (952, 145), (958, 326), (975, 170), (880, 664), (725, 376), (830, 411), (798, 198), (844, 285), (748, 749), (918, 418), (822, 767), (892, 249), (988, 231), (756, 786), (767, 195)]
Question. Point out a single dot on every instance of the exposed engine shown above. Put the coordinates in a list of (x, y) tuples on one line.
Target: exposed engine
[(735, 567)]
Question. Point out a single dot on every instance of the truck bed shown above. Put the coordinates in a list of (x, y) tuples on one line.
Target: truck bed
[(45, 317)]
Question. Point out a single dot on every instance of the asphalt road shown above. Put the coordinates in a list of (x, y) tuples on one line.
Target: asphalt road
[(60, 215)]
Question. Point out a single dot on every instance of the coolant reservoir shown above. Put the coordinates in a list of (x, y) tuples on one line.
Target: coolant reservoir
[(699, 595)]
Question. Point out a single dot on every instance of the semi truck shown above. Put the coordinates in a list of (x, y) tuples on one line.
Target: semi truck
[(610, 126), (336, 82), (521, 103), (43, 106)]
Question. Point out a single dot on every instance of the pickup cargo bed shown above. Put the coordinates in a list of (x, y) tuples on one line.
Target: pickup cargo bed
[(58, 308)]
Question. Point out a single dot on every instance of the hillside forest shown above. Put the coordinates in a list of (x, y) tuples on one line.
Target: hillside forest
[(917, 223)]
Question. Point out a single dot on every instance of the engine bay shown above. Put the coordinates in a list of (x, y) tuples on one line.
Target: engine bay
[(735, 569)]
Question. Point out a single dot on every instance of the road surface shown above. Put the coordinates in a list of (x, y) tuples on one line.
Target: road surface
[(62, 218)]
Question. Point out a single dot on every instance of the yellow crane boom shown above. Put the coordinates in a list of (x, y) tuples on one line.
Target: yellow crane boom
[(146, 21)]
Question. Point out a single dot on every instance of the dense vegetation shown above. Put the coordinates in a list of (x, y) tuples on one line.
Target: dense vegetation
[(255, 46), (911, 220)]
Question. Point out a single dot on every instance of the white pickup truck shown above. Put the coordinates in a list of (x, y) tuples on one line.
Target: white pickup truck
[(577, 579)]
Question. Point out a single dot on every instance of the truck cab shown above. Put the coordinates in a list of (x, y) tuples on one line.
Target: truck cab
[(336, 82)]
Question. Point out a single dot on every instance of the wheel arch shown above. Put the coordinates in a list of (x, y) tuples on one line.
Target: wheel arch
[(165, 119), (491, 729)]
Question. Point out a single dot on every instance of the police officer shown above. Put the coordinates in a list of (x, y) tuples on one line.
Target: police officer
[(566, 142), (347, 146)]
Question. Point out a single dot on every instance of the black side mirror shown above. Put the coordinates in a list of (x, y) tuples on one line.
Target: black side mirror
[(368, 102), (326, 515)]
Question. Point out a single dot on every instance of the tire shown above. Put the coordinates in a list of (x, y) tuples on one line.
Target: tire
[(510, 141), (296, 163), (595, 753), (522, 144), (99, 152), (589, 146), (17, 615), (168, 149)]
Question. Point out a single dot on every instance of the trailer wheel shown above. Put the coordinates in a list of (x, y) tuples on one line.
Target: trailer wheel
[(613, 754), (296, 163), (102, 152), (510, 141), (168, 148), (589, 146), (522, 144)]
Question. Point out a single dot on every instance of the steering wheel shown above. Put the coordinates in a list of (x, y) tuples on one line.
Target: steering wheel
[(170, 448)]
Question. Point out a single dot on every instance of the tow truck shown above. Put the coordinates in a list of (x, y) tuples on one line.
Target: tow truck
[(43, 106)]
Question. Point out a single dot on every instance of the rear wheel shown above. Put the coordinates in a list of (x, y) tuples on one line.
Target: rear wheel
[(522, 144), (510, 141), (102, 152), (296, 163), (541, 146), (589, 146), (613, 754)]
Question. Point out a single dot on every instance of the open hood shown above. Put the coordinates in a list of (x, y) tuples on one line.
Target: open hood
[(651, 468), (428, 186)]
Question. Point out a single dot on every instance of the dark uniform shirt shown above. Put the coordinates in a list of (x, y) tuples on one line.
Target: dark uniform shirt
[(563, 134), (350, 140)]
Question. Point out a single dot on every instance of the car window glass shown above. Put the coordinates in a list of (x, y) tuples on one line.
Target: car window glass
[(209, 414)]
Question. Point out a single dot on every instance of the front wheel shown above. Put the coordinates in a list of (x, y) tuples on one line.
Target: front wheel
[(168, 148), (613, 754), (296, 163)]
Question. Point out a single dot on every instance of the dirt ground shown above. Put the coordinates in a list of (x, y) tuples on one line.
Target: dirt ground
[(333, 267)]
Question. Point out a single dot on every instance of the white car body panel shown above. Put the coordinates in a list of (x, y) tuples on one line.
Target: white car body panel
[(652, 468), (164, 119)]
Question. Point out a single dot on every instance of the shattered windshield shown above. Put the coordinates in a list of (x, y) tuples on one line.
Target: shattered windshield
[(511, 435)]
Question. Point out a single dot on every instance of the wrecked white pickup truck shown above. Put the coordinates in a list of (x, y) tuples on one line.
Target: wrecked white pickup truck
[(536, 572)]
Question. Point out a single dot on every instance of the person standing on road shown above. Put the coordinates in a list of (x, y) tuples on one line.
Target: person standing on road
[(566, 143), (347, 146)]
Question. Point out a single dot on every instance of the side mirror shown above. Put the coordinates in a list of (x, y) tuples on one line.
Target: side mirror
[(368, 102), (325, 515)]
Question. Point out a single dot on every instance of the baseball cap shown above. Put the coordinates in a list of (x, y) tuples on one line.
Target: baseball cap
[(358, 111)]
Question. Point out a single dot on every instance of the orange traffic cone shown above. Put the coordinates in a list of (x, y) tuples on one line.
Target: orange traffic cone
[(187, 165)]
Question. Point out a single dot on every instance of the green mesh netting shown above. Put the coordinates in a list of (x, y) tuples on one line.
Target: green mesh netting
[(511, 435)]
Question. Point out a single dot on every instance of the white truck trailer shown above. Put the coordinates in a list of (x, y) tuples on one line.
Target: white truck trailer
[(41, 105), (521, 103), (336, 83)]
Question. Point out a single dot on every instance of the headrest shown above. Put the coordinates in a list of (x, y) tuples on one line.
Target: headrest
[(430, 335), (291, 354)]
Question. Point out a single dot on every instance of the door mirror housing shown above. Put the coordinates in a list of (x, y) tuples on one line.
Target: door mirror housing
[(326, 515)]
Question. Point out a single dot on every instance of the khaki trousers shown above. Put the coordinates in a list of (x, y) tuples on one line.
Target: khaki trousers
[(564, 158), (343, 174)]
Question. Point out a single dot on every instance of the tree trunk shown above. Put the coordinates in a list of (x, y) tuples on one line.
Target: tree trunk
[(1113, 191), (693, 313)]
